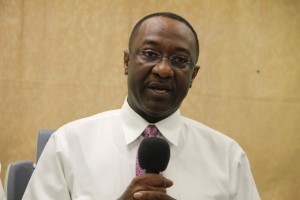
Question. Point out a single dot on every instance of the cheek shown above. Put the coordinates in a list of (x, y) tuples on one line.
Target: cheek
[(136, 77), (140, 73), (183, 81)]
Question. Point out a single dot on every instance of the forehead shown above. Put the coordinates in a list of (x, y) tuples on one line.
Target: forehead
[(162, 30)]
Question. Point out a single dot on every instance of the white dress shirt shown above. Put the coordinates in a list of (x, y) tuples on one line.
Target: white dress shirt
[(94, 158), (2, 195)]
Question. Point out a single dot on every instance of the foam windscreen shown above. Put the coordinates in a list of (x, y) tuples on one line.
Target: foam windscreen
[(154, 154)]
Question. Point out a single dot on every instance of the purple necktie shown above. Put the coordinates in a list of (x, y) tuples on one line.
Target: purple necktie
[(150, 131)]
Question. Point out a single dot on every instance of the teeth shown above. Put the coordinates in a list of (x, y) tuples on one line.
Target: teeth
[(160, 91)]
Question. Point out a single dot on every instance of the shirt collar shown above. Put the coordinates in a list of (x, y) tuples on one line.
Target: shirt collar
[(133, 125)]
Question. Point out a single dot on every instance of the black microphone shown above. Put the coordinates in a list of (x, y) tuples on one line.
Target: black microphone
[(154, 155)]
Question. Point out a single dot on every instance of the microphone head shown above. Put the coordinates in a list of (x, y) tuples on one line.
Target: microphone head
[(154, 154)]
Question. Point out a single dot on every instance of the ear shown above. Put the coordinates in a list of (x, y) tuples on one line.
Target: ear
[(195, 72), (126, 61)]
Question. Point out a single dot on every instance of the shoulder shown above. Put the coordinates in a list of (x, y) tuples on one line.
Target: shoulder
[(89, 124), (210, 136), (203, 129), (99, 118)]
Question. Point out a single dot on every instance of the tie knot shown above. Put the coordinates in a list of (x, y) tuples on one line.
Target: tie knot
[(150, 131)]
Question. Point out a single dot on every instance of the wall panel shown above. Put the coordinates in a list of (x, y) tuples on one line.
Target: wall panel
[(62, 60)]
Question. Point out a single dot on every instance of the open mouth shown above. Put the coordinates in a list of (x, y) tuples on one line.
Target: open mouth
[(160, 88), (161, 91)]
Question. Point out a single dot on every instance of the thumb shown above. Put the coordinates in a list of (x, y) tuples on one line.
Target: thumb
[(137, 195)]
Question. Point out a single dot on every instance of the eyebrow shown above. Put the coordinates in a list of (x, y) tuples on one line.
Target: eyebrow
[(150, 42)]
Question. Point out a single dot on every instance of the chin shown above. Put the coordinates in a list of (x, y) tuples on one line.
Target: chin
[(160, 110)]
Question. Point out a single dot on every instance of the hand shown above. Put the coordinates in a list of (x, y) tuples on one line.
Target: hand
[(148, 186)]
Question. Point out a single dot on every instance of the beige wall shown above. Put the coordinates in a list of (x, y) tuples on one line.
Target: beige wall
[(61, 60)]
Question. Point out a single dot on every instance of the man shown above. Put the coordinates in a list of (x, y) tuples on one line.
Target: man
[(95, 157)]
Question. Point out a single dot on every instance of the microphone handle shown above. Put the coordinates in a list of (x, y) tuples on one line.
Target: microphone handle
[(151, 171)]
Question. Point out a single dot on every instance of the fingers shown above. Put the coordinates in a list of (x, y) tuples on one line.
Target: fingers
[(151, 195), (147, 186), (167, 182), (155, 188), (157, 181), (151, 182)]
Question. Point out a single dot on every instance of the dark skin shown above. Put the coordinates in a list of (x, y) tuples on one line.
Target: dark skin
[(157, 91), (148, 186)]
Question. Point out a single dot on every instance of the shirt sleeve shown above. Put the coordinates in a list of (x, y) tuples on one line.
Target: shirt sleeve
[(242, 182), (48, 180)]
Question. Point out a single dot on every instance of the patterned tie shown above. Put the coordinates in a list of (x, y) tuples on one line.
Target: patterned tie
[(150, 131)]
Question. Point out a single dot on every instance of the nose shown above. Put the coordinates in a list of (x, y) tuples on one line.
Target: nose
[(163, 69)]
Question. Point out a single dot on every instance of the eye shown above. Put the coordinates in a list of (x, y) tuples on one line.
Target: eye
[(179, 60), (150, 54)]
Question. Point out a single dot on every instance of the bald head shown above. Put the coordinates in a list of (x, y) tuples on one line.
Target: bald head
[(173, 16)]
